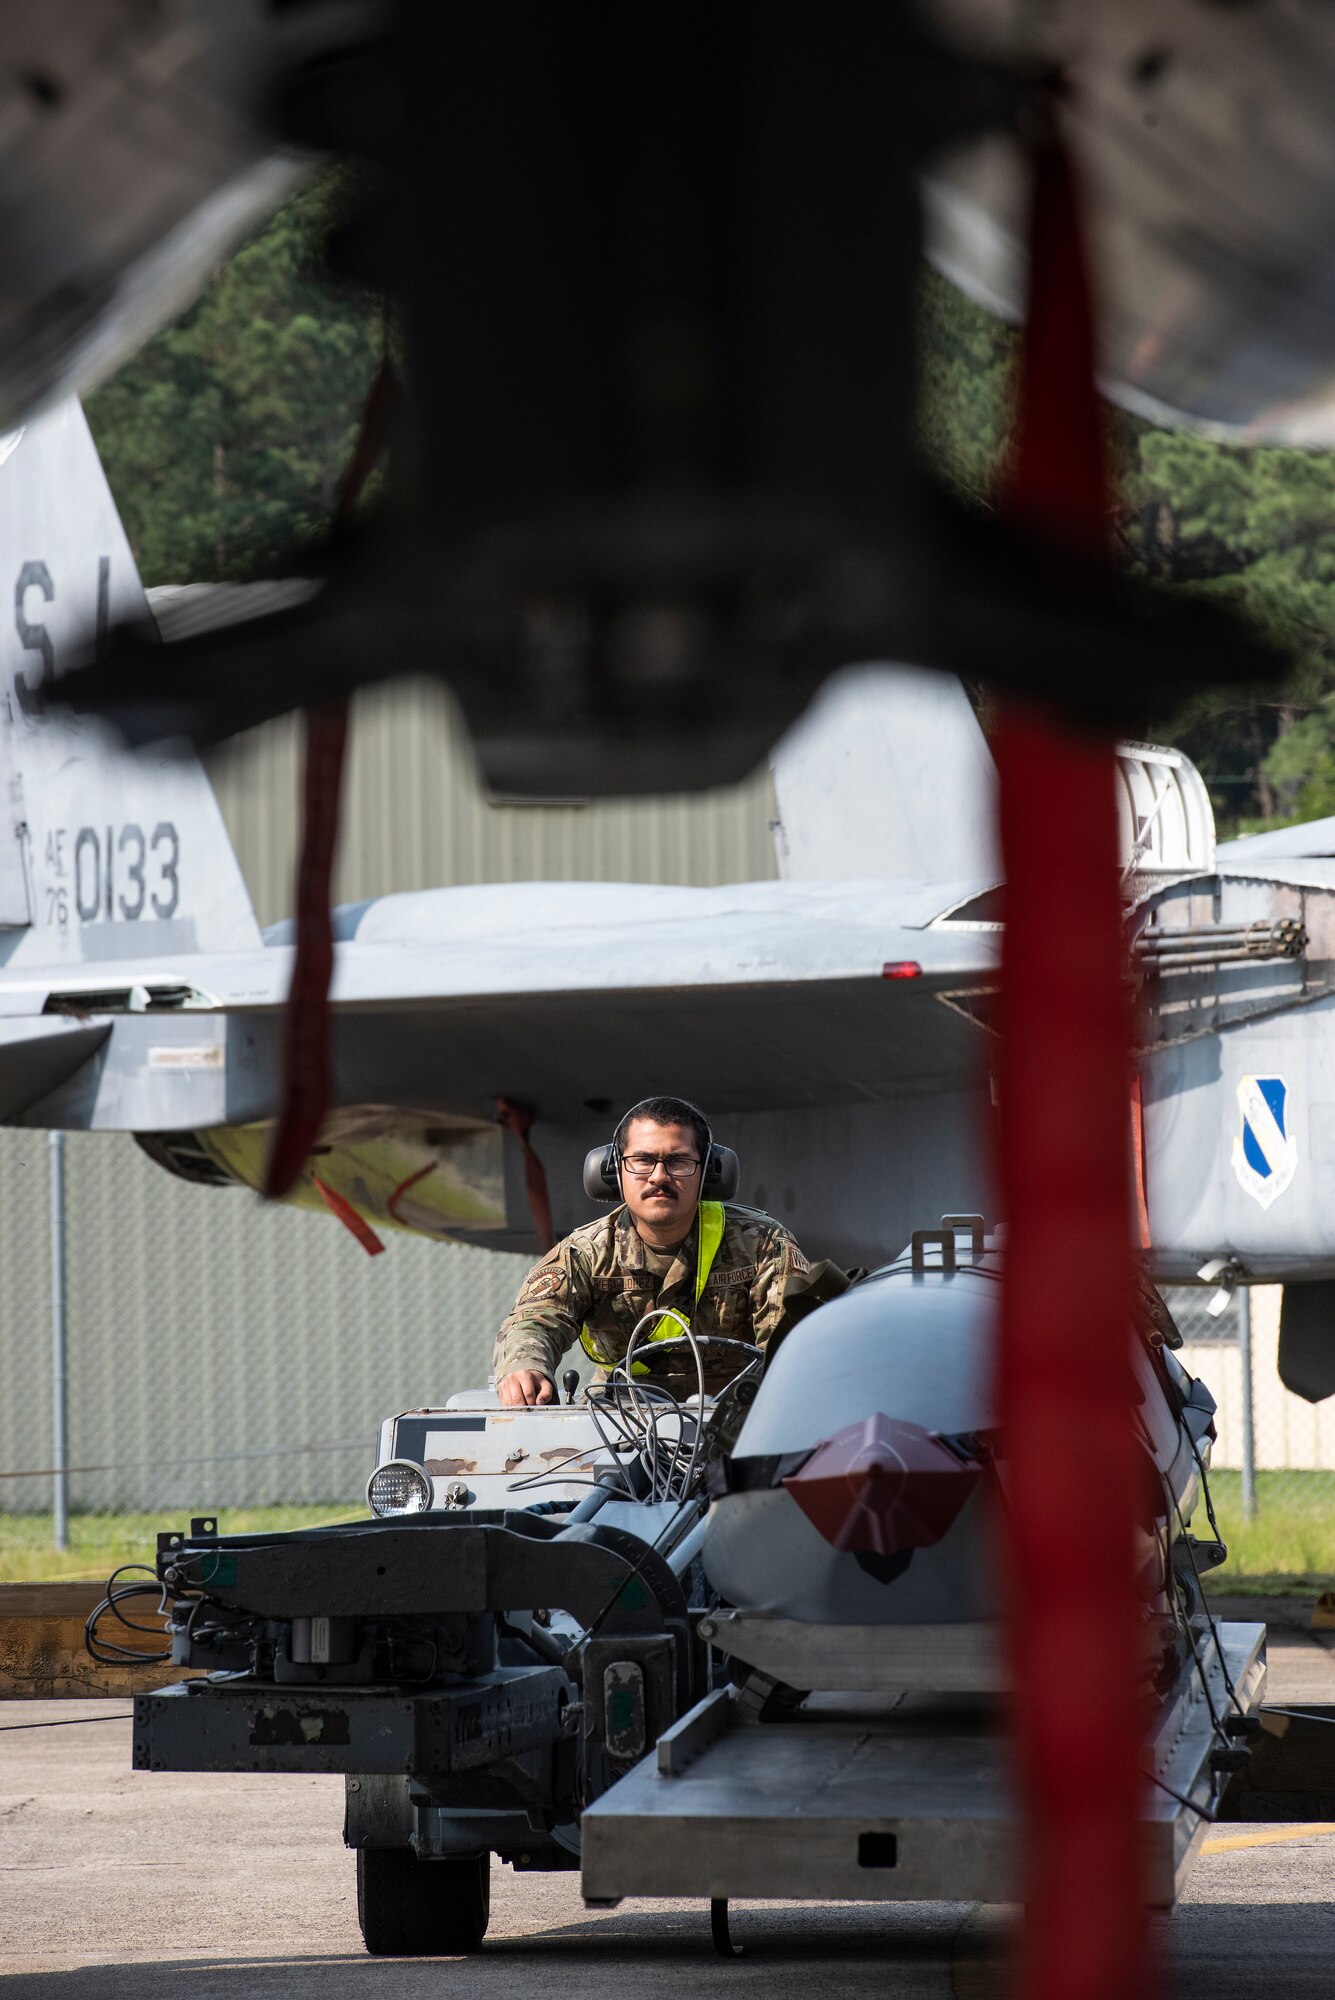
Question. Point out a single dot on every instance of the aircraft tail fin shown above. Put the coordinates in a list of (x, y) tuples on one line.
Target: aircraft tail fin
[(887, 775), (104, 855)]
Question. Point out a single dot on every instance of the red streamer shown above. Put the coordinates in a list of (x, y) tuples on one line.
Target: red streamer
[(1065, 1384), (402, 1189), (307, 1065), (306, 1051), (518, 1118), (1138, 1157), (355, 1224)]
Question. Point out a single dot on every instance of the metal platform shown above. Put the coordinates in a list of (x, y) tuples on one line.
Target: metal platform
[(880, 1797), (243, 1725)]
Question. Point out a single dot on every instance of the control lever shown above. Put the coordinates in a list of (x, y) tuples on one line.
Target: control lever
[(570, 1383)]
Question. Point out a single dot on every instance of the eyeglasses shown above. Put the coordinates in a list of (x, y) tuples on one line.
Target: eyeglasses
[(678, 1166)]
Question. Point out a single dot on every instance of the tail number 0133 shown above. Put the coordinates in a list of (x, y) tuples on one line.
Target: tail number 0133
[(122, 874)]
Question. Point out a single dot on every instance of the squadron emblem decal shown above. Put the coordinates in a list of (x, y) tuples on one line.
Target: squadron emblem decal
[(1265, 1157)]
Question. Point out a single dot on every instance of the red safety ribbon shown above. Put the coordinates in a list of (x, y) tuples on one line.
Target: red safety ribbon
[(307, 1065), (1065, 1382), (403, 1187), (517, 1118), (1138, 1157), (306, 1044), (355, 1224)]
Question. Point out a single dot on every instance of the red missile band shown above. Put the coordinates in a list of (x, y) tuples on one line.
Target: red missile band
[(883, 1485)]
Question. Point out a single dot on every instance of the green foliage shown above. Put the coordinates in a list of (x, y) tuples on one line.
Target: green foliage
[(1250, 526), (966, 359), (1254, 527), (1289, 1541), (225, 440)]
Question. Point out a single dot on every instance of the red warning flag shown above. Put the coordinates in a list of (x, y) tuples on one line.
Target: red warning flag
[(307, 1067), (306, 1052), (1065, 1384), (518, 1118)]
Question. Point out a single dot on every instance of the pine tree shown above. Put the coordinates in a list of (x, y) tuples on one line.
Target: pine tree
[(225, 439)]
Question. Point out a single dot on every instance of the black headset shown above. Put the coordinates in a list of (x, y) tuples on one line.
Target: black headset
[(720, 1182)]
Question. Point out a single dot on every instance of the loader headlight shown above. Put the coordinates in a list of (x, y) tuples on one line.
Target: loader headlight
[(398, 1487)]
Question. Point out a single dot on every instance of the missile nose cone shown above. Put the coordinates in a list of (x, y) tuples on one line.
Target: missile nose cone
[(882, 1485)]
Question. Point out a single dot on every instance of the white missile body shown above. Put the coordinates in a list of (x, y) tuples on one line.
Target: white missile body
[(862, 1485)]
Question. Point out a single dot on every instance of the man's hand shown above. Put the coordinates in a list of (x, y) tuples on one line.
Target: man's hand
[(526, 1385)]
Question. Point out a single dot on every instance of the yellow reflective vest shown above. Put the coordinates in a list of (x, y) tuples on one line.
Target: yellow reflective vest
[(671, 1324)]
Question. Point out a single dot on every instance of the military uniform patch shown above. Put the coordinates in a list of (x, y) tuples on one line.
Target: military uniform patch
[(740, 1274), (543, 1285)]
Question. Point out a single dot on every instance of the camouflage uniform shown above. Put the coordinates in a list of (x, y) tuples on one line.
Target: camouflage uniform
[(604, 1275)]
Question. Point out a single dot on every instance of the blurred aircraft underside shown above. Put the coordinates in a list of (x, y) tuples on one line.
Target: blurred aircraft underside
[(659, 479)]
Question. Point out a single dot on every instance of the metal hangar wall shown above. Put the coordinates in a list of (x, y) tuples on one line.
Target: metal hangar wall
[(204, 1325)]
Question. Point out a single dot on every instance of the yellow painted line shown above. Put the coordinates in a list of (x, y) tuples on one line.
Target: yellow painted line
[(1235, 1840)]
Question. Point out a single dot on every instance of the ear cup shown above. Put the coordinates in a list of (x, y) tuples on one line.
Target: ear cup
[(723, 1175), (600, 1175)]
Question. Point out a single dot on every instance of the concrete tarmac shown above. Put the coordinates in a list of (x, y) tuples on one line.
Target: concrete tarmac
[(115, 1884)]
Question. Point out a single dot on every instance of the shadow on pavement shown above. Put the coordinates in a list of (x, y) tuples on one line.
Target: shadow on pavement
[(949, 1950), (1220, 1951)]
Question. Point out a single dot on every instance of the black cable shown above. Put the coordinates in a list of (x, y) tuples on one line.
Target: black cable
[(106, 1652), (650, 1549), (1207, 1813), (1205, 1606), (1205, 1483), (1216, 1725), (64, 1722), (1300, 1714), (1186, 1617), (1219, 1729), (547, 1471), (116, 1597)]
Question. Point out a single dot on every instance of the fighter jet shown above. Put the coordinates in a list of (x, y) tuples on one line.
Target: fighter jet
[(836, 1022)]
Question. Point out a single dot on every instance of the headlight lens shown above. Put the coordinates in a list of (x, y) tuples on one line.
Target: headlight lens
[(398, 1487)]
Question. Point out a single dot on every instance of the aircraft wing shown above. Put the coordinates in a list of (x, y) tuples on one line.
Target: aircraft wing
[(765, 996)]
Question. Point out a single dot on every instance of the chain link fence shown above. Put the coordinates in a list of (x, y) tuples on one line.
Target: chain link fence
[(1273, 1476), (222, 1354)]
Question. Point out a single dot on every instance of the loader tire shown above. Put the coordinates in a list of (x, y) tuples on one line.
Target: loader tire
[(422, 1909)]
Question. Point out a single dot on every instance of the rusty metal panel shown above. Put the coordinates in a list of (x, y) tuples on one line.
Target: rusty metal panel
[(42, 1654)]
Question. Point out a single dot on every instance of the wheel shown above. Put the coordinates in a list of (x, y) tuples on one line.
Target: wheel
[(422, 1909)]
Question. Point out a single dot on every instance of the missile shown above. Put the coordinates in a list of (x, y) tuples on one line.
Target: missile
[(860, 1490)]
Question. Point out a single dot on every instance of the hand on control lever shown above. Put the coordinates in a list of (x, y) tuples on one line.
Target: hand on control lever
[(526, 1385)]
